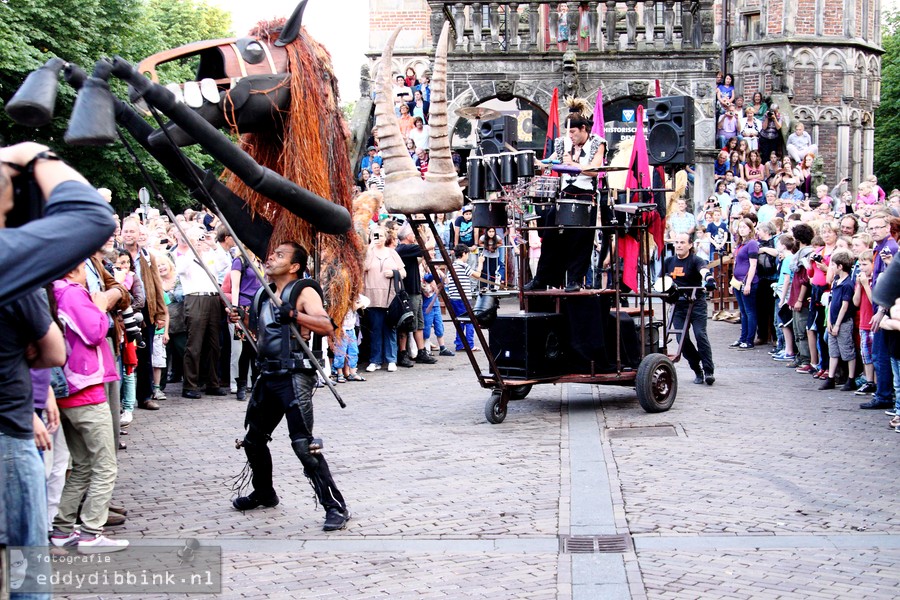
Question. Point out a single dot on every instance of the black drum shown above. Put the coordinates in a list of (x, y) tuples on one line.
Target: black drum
[(492, 173), (489, 214), (574, 213), (542, 209), (525, 163), (476, 178), (508, 169)]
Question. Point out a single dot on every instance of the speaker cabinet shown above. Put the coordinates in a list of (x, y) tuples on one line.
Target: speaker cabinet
[(528, 346), (670, 121), (499, 135)]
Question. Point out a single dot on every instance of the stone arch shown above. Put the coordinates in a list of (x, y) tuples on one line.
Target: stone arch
[(805, 59), (833, 59), (805, 114), (830, 115)]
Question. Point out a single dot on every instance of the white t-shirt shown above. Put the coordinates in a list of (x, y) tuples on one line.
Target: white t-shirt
[(422, 137)]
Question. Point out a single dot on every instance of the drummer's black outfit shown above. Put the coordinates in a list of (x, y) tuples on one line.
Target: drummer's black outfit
[(283, 389), (566, 253), (685, 272)]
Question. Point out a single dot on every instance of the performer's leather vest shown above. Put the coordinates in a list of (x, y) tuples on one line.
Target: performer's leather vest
[(278, 351)]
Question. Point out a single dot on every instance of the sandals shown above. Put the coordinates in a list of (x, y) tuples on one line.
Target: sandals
[(355, 377), (341, 379)]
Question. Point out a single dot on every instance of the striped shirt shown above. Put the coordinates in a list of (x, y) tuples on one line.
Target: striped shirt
[(463, 272)]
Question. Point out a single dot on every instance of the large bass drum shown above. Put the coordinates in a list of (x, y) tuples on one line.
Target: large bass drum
[(571, 212)]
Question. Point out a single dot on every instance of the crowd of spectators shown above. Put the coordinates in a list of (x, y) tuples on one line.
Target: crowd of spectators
[(806, 255)]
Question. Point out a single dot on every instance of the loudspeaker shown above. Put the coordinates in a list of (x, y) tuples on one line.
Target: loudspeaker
[(670, 121), (497, 135), (528, 346)]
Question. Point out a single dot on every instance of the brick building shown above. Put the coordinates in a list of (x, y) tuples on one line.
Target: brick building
[(820, 58)]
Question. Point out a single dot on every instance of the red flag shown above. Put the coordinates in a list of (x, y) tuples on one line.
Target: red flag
[(658, 93), (552, 124), (638, 177)]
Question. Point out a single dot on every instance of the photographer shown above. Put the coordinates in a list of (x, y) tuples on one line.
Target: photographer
[(72, 205), (728, 127), (770, 134)]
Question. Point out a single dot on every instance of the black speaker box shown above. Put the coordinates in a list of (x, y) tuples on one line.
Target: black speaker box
[(499, 135), (528, 346), (670, 121)]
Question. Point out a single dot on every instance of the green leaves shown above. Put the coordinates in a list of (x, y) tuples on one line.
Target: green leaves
[(887, 121), (82, 32)]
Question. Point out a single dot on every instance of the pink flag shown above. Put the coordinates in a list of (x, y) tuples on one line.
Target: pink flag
[(599, 125)]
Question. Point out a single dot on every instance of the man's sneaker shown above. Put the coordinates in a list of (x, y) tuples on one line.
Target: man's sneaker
[(392, 367), (828, 384), (710, 379), (60, 539), (806, 369), (405, 361), (126, 418), (335, 519), (875, 404), (745, 346), (786, 358), (698, 377), (425, 358), (95, 544), (446, 352), (254, 501), (158, 394), (866, 389), (892, 413), (735, 344), (372, 367), (776, 355)]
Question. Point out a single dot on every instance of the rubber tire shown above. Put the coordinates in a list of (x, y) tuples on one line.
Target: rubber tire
[(656, 383), (519, 392), (492, 411)]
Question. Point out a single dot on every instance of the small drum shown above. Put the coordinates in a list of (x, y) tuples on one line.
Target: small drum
[(492, 181), (525, 163), (486, 213), (476, 177), (541, 209), (543, 189), (508, 169), (574, 213)]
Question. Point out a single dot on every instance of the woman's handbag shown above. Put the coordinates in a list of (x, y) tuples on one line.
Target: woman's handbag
[(400, 314)]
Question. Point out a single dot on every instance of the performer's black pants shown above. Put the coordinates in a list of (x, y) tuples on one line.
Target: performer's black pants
[(701, 354), (289, 396), (565, 253)]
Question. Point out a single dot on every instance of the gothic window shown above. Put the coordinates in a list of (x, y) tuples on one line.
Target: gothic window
[(750, 25)]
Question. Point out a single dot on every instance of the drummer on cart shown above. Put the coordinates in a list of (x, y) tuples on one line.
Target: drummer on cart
[(688, 272), (566, 252)]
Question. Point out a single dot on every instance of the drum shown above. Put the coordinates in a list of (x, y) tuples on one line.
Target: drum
[(492, 173), (574, 213), (486, 213), (525, 163), (508, 169), (476, 177), (541, 209)]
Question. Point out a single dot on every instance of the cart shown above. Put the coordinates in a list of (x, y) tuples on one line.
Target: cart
[(654, 378)]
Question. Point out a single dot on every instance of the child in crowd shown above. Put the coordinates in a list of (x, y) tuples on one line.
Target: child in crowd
[(346, 350), (862, 299), (783, 312), (840, 321), (431, 309)]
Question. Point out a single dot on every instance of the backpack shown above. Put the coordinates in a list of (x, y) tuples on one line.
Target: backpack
[(400, 315)]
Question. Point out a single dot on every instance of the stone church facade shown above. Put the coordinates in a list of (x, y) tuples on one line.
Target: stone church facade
[(821, 58)]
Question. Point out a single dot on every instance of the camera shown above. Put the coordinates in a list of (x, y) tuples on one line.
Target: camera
[(376, 235), (28, 201), (770, 114), (817, 258), (132, 322)]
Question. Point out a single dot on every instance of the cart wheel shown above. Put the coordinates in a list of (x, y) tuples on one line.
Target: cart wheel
[(519, 392), (656, 383), (495, 408)]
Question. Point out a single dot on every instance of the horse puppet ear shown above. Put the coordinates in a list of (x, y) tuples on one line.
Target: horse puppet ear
[(404, 189), (291, 28)]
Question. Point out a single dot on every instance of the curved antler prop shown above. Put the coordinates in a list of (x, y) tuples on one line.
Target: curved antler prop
[(404, 189)]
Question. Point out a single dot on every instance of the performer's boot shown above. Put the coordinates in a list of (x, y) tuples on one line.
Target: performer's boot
[(263, 493), (315, 467)]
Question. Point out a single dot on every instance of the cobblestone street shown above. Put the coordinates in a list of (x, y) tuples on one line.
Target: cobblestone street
[(766, 488)]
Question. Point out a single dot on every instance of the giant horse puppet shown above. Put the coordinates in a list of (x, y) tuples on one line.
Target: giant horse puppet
[(277, 90)]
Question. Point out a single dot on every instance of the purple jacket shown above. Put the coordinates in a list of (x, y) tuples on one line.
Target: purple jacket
[(90, 360)]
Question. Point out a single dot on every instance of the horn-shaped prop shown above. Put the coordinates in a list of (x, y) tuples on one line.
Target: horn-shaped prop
[(33, 103), (404, 189), (93, 121)]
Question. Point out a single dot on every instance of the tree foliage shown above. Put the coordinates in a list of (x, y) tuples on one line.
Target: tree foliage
[(887, 121), (81, 32)]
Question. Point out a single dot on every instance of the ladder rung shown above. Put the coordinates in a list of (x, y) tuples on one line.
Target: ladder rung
[(464, 320)]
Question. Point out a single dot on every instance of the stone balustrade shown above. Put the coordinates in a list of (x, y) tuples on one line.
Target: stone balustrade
[(532, 26)]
